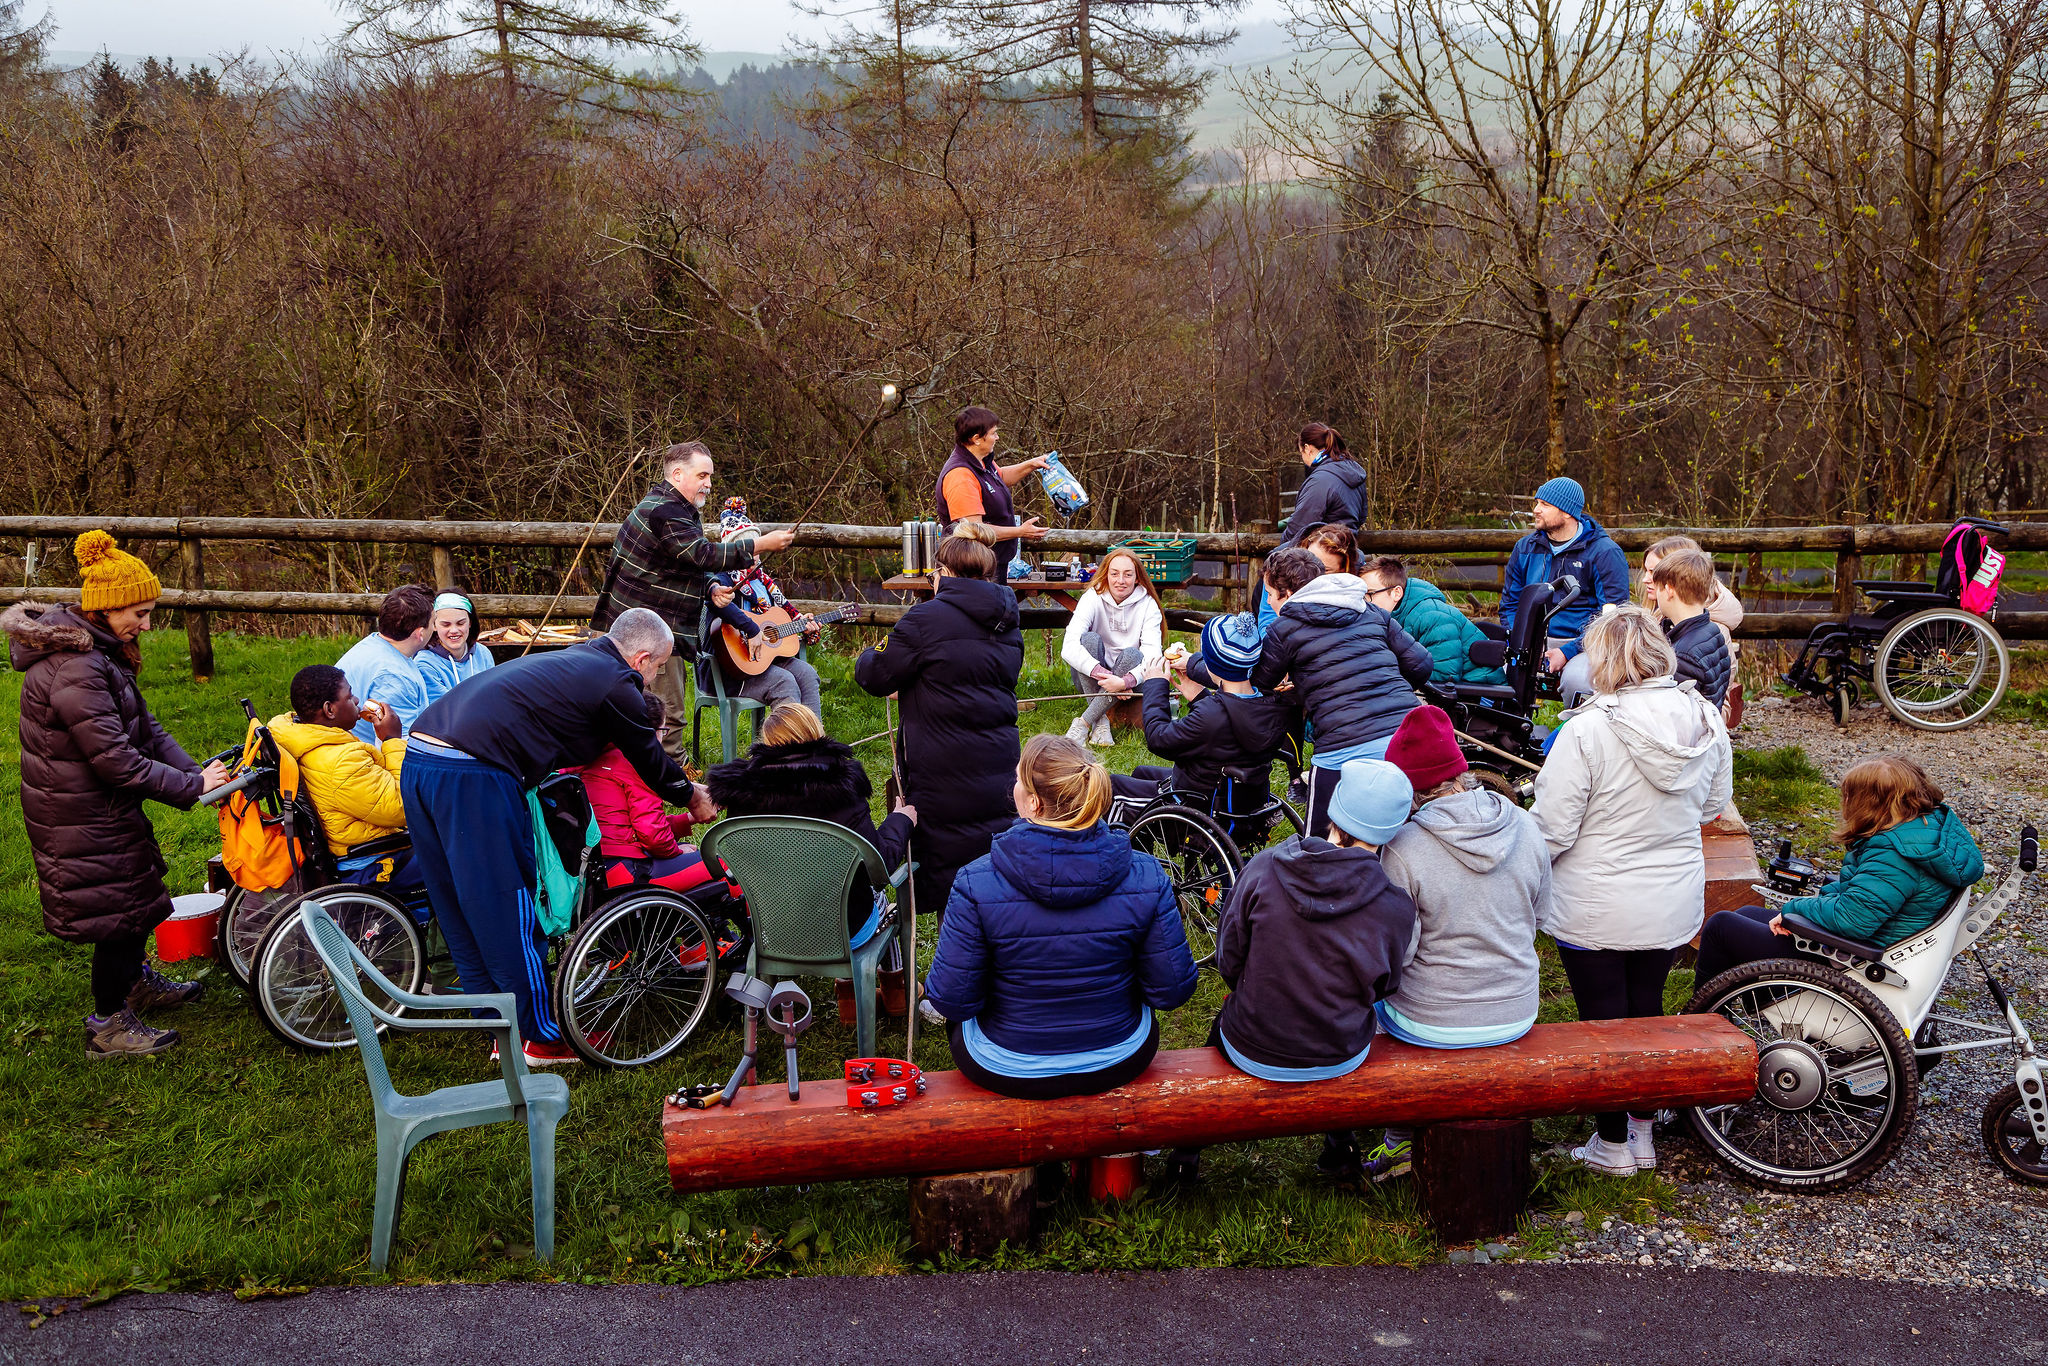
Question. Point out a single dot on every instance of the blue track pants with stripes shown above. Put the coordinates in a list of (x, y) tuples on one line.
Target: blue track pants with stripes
[(473, 840)]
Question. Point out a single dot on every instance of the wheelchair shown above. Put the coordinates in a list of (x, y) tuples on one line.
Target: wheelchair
[(1844, 1031), (1496, 722), (634, 974), (1200, 842), (1934, 664)]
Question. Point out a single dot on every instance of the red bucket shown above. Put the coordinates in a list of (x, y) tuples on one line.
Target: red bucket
[(189, 933)]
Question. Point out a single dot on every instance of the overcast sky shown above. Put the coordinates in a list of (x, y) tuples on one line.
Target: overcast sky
[(194, 29)]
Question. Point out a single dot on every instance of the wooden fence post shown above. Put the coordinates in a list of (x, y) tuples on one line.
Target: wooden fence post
[(1848, 569), (198, 625), (444, 568), (1756, 576)]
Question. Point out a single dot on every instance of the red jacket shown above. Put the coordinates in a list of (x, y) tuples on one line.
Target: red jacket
[(630, 820)]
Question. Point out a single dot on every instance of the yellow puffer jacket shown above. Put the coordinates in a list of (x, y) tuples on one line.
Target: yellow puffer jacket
[(354, 786)]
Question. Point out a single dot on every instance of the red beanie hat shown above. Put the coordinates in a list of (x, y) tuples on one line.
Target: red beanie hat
[(1425, 748)]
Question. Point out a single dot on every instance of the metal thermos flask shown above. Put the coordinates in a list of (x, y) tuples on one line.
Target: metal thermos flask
[(913, 541), (931, 548)]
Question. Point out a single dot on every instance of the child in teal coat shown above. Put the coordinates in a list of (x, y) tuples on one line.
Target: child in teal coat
[(1909, 855), (1433, 619)]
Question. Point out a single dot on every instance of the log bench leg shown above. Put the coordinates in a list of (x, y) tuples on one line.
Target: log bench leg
[(1472, 1177), (971, 1213)]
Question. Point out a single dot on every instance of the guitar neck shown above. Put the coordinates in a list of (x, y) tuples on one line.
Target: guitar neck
[(842, 613)]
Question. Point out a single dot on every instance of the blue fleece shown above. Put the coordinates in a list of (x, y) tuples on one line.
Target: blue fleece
[(378, 671)]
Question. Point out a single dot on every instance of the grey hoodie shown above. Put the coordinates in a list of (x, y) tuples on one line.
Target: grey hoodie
[(1480, 875)]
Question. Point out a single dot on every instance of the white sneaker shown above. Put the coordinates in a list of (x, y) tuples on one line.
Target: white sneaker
[(1609, 1159), (1101, 735), (1078, 732), (1641, 1145)]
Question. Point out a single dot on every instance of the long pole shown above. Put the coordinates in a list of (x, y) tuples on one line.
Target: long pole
[(909, 936)]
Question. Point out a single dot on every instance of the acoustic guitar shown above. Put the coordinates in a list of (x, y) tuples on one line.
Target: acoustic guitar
[(782, 635)]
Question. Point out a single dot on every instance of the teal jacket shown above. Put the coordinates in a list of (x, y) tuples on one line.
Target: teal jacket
[(1897, 882), (1445, 632)]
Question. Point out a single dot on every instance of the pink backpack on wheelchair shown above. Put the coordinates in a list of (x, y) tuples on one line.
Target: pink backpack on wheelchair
[(1970, 569)]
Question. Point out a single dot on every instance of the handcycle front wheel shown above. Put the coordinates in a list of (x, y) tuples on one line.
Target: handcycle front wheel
[(1200, 861), (293, 993), (2009, 1136), (1941, 669), (636, 979)]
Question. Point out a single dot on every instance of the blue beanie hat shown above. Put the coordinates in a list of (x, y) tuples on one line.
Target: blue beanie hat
[(1372, 800), (1230, 646), (1565, 495)]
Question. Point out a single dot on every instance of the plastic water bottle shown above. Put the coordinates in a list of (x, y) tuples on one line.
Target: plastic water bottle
[(1062, 487)]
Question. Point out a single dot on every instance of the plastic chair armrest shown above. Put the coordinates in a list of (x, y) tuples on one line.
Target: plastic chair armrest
[(896, 878)]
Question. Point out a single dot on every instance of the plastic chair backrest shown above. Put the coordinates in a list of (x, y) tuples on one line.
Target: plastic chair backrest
[(339, 957), (797, 873)]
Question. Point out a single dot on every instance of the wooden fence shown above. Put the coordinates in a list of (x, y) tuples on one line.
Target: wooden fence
[(1239, 553)]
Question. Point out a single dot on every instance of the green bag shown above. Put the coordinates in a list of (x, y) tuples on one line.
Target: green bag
[(555, 896)]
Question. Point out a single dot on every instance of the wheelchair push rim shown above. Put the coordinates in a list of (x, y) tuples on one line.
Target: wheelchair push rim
[(244, 920), (1836, 1083), (1941, 669), (1201, 862), (636, 979), (293, 993)]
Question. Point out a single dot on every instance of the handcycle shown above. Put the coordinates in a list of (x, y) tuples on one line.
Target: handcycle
[(1844, 1031), (1935, 664), (634, 973)]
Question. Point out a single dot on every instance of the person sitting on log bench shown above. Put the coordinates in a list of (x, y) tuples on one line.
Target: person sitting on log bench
[(1479, 872), (1059, 943), (1313, 935)]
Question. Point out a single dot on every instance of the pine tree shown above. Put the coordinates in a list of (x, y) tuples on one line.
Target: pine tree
[(21, 44), (557, 46)]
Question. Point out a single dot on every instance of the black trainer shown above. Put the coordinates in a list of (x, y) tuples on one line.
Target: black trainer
[(1339, 1160)]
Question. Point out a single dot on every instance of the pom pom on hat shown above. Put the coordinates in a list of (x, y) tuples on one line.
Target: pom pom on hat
[(110, 577), (733, 519), (1230, 646)]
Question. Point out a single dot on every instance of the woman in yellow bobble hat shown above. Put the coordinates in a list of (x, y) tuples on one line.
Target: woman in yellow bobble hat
[(91, 754)]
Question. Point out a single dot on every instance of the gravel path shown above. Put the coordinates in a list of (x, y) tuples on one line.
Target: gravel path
[(1940, 1213)]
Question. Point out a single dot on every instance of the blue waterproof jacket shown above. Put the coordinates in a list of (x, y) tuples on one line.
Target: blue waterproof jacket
[(1055, 938), (1591, 557)]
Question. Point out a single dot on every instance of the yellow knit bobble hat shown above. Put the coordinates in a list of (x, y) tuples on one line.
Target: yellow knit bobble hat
[(111, 576)]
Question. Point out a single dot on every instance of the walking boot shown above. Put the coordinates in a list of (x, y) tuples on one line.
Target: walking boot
[(895, 993), (124, 1035), (154, 991)]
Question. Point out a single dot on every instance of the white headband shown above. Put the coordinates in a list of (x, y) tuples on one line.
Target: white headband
[(453, 600)]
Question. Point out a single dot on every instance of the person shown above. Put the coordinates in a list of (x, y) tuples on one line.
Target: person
[(353, 786), (1336, 545), (382, 667), (453, 652), (471, 759), (1908, 854), (1060, 942), (1724, 607), (1620, 802), (662, 561), (91, 755), (1112, 640), (795, 769), (1564, 540), (640, 843), (973, 495), (1477, 868), (1679, 589), (953, 662), (1334, 490), (1355, 670), (1312, 937), (1233, 727), (1425, 613), (754, 591)]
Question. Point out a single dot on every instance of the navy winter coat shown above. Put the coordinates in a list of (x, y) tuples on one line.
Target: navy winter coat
[(1333, 491), (1702, 655), (1055, 938), (1591, 557), (1355, 670)]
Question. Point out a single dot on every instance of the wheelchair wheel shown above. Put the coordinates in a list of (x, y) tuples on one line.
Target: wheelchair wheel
[(1493, 780), (1842, 700), (636, 979), (1941, 669), (2010, 1137), (1202, 864), (1836, 1086), (292, 990), (244, 920)]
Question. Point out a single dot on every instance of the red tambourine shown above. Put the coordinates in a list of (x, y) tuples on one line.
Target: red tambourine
[(874, 1082)]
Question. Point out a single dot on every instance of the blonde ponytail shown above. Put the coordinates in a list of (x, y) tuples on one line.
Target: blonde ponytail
[(1071, 785)]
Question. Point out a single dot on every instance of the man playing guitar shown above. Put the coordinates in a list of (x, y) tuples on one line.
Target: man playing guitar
[(755, 593)]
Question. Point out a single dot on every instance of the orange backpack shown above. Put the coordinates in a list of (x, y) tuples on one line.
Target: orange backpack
[(261, 852)]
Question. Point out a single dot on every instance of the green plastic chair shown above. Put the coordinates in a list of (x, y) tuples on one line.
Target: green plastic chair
[(538, 1102), (728, 702), (797, 873)]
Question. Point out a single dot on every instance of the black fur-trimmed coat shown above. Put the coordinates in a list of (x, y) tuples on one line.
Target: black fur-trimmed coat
[(819, 778), (91, 754)]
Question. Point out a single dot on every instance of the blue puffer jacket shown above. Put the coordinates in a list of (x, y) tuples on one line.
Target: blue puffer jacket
[(1055, 938), (1591, 557)]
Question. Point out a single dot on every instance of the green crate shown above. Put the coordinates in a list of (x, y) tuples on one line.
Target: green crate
[(1168, 560)]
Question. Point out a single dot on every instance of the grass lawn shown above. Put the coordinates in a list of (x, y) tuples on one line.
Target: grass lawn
[(234, 1162)]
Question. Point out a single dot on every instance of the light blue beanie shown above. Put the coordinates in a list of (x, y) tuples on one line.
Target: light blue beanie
[(1372, 800), (1565, 495)]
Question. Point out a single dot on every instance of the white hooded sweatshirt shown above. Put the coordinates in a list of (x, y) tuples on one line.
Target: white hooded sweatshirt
[(1620, 800)]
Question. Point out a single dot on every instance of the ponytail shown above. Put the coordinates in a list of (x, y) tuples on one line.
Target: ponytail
[(1326, 439), (1071, 784)]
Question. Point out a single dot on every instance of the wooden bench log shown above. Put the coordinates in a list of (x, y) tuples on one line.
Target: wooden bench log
[(1731, 862), (1193, 1098)]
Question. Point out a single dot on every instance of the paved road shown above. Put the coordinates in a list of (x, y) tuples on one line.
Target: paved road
[(1530, 1316)]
